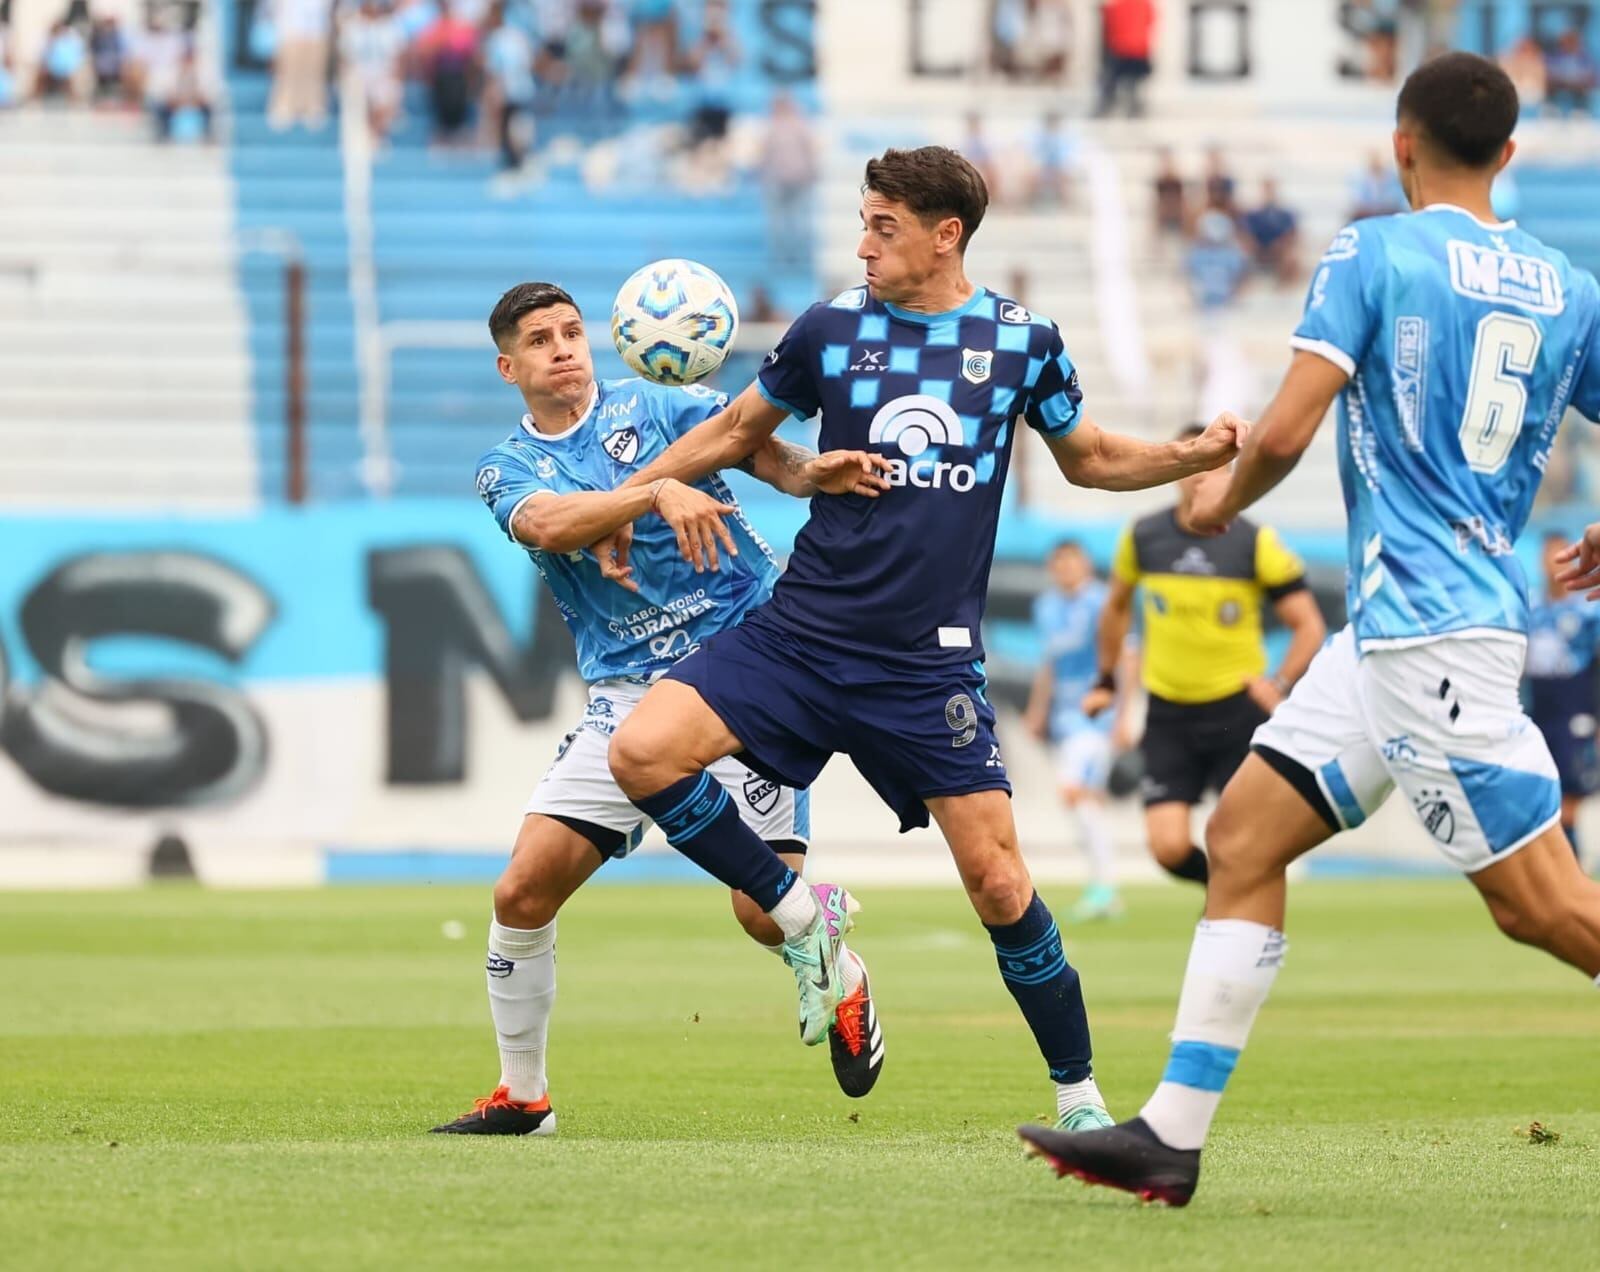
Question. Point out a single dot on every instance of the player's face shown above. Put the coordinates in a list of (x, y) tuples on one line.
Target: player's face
[(900, 252), (549, 357), (1069, 568)]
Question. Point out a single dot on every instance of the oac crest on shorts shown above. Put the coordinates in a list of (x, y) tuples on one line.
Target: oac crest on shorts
[(1437, 816), (761, 794)]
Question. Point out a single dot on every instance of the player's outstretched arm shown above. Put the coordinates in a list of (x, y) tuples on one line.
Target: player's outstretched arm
[(803, 473), (725, 440), (1275, 444), (1090, 456)]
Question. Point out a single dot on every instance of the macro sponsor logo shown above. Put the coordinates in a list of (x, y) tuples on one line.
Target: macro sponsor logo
[(916, 424), (1505, 278)]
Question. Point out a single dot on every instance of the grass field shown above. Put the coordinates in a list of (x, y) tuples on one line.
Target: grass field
[(241, 1080)]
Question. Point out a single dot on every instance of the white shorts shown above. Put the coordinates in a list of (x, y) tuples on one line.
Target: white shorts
[(579, 784), (1083, 759), (1442, 721)]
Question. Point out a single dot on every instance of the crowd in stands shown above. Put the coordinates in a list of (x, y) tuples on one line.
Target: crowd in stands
[(91, 59)]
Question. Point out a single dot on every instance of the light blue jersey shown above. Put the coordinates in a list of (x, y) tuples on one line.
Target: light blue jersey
[(1466, 343), (1068, 625), (1563, 638), (618, 632)]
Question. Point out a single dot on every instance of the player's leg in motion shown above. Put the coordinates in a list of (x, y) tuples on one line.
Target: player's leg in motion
[(1260, 826), (550, 862), (659, 757), (1084, 768), (1540, 896), (1171, 837), (983, 840)]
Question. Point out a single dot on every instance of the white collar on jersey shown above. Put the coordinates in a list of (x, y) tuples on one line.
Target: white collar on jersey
[(532, 430), (1487, 225)]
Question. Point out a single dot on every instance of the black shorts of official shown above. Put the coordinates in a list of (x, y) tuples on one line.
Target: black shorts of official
[(1192, 747)]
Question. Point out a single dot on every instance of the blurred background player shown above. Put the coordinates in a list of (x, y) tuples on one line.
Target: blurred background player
[(549, 487), (1204, 658), (1420, 691), (871, 644), (1563, 689), (1066, 617)]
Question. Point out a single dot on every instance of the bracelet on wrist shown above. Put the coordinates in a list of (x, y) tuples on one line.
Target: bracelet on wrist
[(1107, 681), (655, 491)]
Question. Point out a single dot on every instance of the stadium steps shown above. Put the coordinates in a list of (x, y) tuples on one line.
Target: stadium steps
[(118, 305)]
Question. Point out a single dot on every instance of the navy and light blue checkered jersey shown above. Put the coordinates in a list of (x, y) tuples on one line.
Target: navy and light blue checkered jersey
[(903, 577)]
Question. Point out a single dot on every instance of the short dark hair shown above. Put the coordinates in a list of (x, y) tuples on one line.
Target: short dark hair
[(1066, 545), (522, 299), (934, 182), (1465, 104)]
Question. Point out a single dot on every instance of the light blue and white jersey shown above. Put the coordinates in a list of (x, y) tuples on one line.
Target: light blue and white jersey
[(618, 632), (1466, 342), (1563, 638), (1068, 624)]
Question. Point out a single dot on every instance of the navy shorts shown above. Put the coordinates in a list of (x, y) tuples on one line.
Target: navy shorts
[(913, 736), (1571, 739)]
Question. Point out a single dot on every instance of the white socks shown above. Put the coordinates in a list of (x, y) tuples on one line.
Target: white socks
[(1232, 965), (1072, 1095), (522, 990), (1094, 829), (796, 910)]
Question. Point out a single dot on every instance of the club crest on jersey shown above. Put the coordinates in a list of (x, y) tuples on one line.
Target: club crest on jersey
[(545, 467), (976, 365), (1013, 312), (623, 445), (486, 479), (761, 794)]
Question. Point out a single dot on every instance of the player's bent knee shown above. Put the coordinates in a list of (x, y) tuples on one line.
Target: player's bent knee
[(1000, 894), (520, 901), (631, 758)]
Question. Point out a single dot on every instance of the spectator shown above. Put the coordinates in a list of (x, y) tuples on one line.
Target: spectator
[(447, 61), (371, 45), (1523, 61), (1376, 190), (712, 63), (161, 52), (1570, 76), (108, 55), (1030, 39), (1378, 22), (761, 307), (593, 50), (1050, 38), (1125, 64), (300, 63), (62, 63), (1273, 235), (1008, 29), (508, 56), (975, 149), (8, 80), (655, 50), (184, 114), (1170, 201), (1053, 154), (1215, 262), (1219, 184), (788, 176)]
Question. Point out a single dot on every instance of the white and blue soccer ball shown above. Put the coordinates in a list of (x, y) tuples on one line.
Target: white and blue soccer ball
[(674, 321)]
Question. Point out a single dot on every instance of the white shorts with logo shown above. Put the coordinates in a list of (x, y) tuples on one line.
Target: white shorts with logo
[(1443, 721), (1083, 759), (579, 784)]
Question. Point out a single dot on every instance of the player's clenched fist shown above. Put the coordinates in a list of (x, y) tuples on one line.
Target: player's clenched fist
[(848, 472), (1222, 440), (696, 518)]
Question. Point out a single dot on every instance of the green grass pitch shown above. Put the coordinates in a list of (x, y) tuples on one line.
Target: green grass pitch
[(238, 1080)]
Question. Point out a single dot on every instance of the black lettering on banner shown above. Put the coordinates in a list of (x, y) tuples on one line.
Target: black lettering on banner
[(87, 737), (439, 622), (790, 53)]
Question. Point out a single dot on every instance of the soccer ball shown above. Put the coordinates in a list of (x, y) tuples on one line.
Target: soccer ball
[(674, 322)]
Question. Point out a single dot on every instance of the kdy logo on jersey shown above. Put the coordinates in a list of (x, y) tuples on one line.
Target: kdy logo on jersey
[(871, 360), (976, 365), (623, 445)]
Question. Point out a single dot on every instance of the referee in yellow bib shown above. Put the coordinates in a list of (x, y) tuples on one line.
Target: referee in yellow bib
[(1204, 659)]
